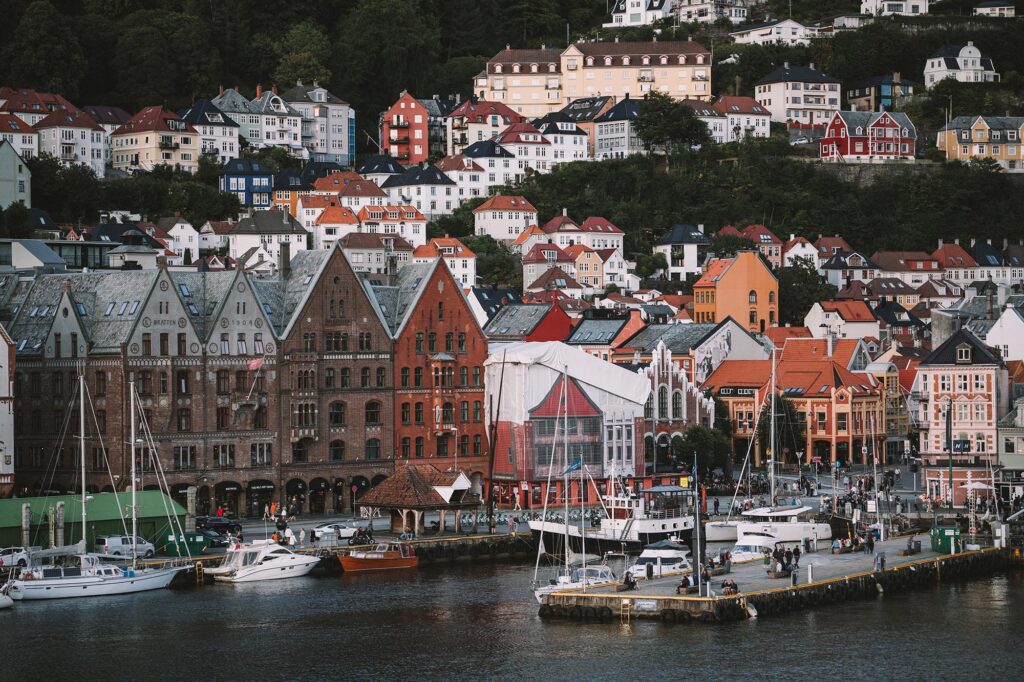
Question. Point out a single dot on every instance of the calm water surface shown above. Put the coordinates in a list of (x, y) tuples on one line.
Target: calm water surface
[(481, 621)]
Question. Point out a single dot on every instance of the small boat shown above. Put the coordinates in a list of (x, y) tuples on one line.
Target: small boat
[(262, 560), (752, 545), (790, 525), (584, 576), (385, 556), (721, 531), (84, 575), (660, 558)]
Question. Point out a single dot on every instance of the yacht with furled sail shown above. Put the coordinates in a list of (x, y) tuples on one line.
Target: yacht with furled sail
[(73, 571)]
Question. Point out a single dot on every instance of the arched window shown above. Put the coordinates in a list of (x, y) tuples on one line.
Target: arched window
[(771, 297), (373, 412), (381, 377), (646, 59), (533, 68), (649, 408), (497, 68), (300, 453), (346, 377), (607, 61), (449, 342), (447, 413), (663, 402), (364, 377), (590, 61), (464, 411), (337, 450), (515, 68), (677, 405), (406, 443), (753, 296), (223, 382), (419, 447), (336, 414), (259, 417), (625, 61), (373, 448), (184, 419)]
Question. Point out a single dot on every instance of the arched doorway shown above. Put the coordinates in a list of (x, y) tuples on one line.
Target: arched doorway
[(664, 454), (359, 485), (179, 493), (678, 456), (843, 453), (648, 453), (151, 486), (340, 484), (203, 501), (295, 495), (260, 494), (318, 490), (225, 495)]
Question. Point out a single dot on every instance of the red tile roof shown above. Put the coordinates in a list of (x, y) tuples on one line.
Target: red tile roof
[(155, 119), (64, 119), (361, 188), (481, 111), (829, 245), (794, 242), (851, 311), (716, 268), (9, 123), (337, 215), (536, 254), (954, 256), (25, 100), (731, 104), (457, 163), (527, 233), (779, 335), (739, 373), (436, 248), (505, 202), (560, 223), (413, 486), (600, 225), (728, 231), (389, 212), (521, 132), (759, 234), (576, 250), (333, 182)]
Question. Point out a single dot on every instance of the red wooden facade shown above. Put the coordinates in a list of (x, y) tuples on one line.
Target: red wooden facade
[(860, 136), (404, 131)]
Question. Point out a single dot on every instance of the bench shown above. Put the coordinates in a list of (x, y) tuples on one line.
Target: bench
[(843, 550), (784, 573), (910, 552), (686, 589)]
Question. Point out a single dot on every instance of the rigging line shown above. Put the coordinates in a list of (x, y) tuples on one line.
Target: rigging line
[(746, 460), (172, 519), (106, 460), (50, 473)]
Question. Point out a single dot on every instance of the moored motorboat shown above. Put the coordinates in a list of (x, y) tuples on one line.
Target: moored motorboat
[(385, 556), (660, 558), (262, 560), (579, 578), (790, 525)]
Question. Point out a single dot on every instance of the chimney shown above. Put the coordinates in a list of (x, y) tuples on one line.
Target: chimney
[(273, 89), (940, 243), (785, 65), (616, 38), (792, 236), (989, 242), (895, 76), (700, 227), (829, 337), (957, 242), (259, 90), (221, 90), (812, 66), (973, 241), (1006, 243), (284, 264), (161, 262), (565, 212), (990, 304)]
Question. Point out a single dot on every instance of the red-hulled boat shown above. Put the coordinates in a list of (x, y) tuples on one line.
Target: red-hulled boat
[(383, 557)]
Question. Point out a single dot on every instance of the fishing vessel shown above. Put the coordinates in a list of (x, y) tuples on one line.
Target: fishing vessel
[(84, 574), (385, 556), (262, 560)]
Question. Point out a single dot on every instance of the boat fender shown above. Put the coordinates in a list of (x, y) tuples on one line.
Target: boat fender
[(708, 617), (605, 614), (683, 616), (544, 611), (751, 611), (589, 613), (558, 611), (721, 611), (668, 616), (576, 613)]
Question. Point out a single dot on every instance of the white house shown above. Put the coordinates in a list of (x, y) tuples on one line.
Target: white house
[(504, 217), (710, 117), (402, 220), (20, 135), (15, 178), (683, 247), (468, 175), (1007, 334), (499, 164), (799, 95), (328, 122), (1004, 9), (710, 11), (183, 237), (640, 12), (781, 31), (333, 223), (568, 141), (213, 235), (841, 320), (74, 138), (459, 259), (475, 121), (965, 63), (614, 134), (375, 253), (532, 150), (428, 189), (616, 268), (269, 229), (266, 121), (218, 133), (798, 248), (744, 117), (887, 8)]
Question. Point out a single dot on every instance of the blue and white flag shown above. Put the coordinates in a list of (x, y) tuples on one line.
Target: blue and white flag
[(575, 466)]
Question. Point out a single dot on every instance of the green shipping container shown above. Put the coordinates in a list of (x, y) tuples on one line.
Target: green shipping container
[(942, 536)]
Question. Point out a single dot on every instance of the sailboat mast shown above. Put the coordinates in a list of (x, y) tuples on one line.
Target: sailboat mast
[(771, 437), (135, 515), (81, 432), (564, 404)]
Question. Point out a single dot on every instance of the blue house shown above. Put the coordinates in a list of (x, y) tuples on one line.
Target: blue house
[(251, 181)]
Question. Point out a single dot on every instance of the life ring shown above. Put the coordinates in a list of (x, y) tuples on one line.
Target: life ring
[(28, 576)]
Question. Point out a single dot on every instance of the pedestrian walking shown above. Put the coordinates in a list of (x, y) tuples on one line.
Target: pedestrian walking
[(266, 512), (302, 537), (312, 537), (796, 556), (716, 506)]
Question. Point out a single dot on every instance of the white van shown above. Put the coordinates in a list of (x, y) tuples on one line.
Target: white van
[(121, 545)]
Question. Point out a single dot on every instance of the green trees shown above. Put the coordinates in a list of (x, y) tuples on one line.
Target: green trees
[(496, 265), (666, 124), (302, 54), (800, 287), (790, 429), (726, 245), (713, 448), (43, 52)]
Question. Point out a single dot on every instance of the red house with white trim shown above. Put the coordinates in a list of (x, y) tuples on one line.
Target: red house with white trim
[(869, 137)]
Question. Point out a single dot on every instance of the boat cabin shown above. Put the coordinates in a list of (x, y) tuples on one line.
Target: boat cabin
[(780, 514)]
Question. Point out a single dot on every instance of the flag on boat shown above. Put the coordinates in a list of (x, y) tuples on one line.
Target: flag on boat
[(255, 364), (576, 465)]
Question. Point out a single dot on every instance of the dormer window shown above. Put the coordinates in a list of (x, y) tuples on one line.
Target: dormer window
[(607, 61), (963, 353), (646, 60), (682, 59), (515, 68), (533, 68), (700, 59), (625, 61), (663, 59), (590, 61), (551, 68)]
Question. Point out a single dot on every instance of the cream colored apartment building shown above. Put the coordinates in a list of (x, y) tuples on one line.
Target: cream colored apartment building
[(538, 82)]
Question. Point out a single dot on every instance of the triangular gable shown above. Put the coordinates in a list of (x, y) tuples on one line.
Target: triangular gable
[(150, 320), (579, 403), (241, 288)]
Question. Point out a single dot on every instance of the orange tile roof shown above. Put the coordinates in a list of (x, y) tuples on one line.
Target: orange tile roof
[(678, 301), (333, 182), (779, 335), (337, 215), (827, 245), (576, 250), (361, 188), (404, 212), (435, 248), (795, 241), (739, 373), (11, 123), (527, 233), (716, 268), (506, 202), (321, 201), (851, 311), (954, 256)]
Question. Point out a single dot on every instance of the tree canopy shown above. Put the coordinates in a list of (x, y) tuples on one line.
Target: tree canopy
[(800, 287)]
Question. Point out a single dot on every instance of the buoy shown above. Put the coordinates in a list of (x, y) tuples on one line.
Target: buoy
[(751, 610)]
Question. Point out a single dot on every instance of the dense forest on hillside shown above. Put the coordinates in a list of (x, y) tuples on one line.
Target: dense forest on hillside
[(134, 53)]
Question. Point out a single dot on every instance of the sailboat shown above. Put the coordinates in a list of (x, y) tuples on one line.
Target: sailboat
[(568, 577), (84, 574)]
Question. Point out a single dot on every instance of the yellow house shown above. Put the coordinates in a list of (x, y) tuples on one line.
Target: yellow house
[(742, 287), (984, 137), (538, 82), (155, 137), (589, 265)]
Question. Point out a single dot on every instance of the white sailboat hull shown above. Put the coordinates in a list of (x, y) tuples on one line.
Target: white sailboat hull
[(292, 569), (92, 586), (720, 531), (789, 533)]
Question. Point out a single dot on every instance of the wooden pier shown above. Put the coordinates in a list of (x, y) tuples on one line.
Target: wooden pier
[(837, 578)]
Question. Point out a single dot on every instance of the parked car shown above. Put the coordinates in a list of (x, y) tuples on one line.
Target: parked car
[(803, 139), (216, 539), (341, 531), (13, 556), (121, 545), (219, 524)]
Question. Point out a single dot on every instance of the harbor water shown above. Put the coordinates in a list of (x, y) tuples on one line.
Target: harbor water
[(481, 621)]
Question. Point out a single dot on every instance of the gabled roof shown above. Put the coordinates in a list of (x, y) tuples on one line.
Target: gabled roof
[(759, 234), (830, 245), (458, 163), (624, 110), (946, 354), (522, 132), (155, 119), (682, 234), (555, 278), (337, 215), (953, 256), (9, 123), (374, 240), (892, 314), (361, 188), (301, 93), (504, 202), (842, 261), (415, 486), (732, 104), (492, 299), (531, 231), (333, 182), (443, 247), (107, 115), (577, 250), (402, 212), (516, 320), (66, 119), (536, 254), (715, 269), (269, 222), (485, 149), (597, 224), (575, 401), (265, 104), (850, 311), (418, 176), (205, 113), (396, 300), (868, 119), (480, 111), (380, 164), (28, 101), (795, 242), (560, 223)]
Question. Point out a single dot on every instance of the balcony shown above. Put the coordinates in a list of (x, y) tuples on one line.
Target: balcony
[(301, 432), (68, 156), (459, 125), (401, 138), (399, 124), (461, 139), (552, 85), (168, 143), (700, 77), (645, 77)]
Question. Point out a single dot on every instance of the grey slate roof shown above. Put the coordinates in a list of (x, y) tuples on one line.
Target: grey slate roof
[(486, 149), (205, 113), (418, 176), (397, 299), (585, 109), (682, 234), (864, 119), (119, 233), (516, 320), (232, 102), (268, 222), (798, 74), (242, 166), (625, 110), (43, 253), (280, 297), (380, 163), (261, 105), (678, 338), (300, 93), (491, 300), (596, 331), (946, 353)]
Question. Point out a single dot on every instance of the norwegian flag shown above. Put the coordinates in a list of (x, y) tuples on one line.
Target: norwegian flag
[(255, 364)]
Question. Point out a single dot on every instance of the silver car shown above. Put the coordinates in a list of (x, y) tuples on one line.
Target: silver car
[(121, 545)]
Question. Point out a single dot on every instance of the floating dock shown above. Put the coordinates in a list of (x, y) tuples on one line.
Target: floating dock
[(836, 578)]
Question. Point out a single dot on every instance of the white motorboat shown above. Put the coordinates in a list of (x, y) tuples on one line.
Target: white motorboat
[(84, 575), (721, 531), (752, 545), (789, 525), (262, 560), (579, 578), (660, 559)]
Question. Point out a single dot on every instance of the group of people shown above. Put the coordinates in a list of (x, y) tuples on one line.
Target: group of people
[(782, 558), (856, 543)]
